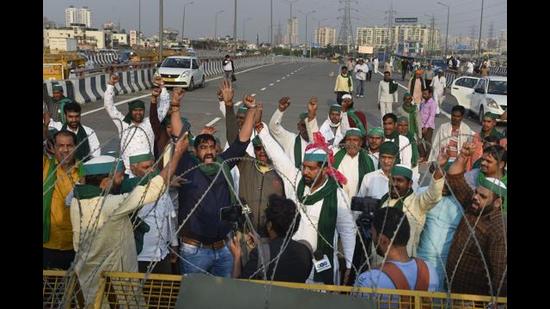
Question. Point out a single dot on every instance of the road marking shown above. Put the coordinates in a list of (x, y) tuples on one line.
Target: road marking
[(278, 80), (146, 95), (238, 103), (213, 121), (262, 89), (283, 77), (271, 84), (253, 95)]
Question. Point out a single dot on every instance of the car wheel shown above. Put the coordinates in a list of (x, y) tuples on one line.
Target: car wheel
[(203, 84), (481, 112), (191, 85)]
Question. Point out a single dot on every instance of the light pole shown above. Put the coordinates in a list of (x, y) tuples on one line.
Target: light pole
[(183, 20), (161, 26), (244, 24), (235, 28), (139, 22), (291, 2), (447, 32), (306, 15), (480, 24), (216, 24), (271, 28)]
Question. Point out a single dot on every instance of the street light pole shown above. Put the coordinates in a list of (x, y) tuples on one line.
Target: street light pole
[(216, 24), (235, 27), (139, 22), (183, 21), (271, 28), (480, 27), (161, 26), (447, 32), (290, 26), (244, 24)]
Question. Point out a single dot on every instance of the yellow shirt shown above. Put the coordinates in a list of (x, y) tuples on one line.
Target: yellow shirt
[(61, 234), (342, 84)]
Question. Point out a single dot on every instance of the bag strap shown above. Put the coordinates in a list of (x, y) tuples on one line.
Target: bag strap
[(396, 275), (422, 275)]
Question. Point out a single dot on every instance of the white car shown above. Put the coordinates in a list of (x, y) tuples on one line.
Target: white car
[(462, 89), (182, 71), (490, 95)]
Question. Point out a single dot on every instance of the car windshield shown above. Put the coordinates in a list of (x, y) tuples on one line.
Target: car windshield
[(497, 87), (176, 63)]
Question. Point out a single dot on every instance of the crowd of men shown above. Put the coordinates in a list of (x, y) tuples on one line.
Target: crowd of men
[(275, 204)]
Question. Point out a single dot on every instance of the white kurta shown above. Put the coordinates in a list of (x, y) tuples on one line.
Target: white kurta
[(134, 138), (162, 222), (405, 150), (350, 168), (328, 134), (93, 141), (103, 235), (443, 135), (284, 137), (376, 184), (345, 225)]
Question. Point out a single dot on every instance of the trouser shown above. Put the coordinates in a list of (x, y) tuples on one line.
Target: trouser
[(227, 76), (339, 95), (57, 259), (218, 262), (425, 147), (360, 87), (438, 96), (162, 267), (369, 75), (403, 74), (385, 108), (376, 69)]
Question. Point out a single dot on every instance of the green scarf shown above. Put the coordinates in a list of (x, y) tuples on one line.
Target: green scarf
[(84, 192), (84, 150), (365, 163), (504, 179), (358, 123), (493, 132), (394, 137), (414, 147), (128, 184), (411, 110), (393, 86), (48, 186), (211, 170), (327, 221), (298, 152), (399, 204)]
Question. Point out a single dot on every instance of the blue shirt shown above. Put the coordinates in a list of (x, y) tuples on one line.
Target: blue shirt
[(205, 224), (376, 279), (437, 235)]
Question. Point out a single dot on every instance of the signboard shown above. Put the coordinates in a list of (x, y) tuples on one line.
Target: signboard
[(403, 20), (365, 49), (53, 71)]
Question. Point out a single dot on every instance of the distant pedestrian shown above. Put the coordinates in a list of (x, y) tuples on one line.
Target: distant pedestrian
[(228, 68), (343, 85), (404, 68), (427, 114), (370, 64), (387, 94), (361, 70), (439, 84), (375, 62), (416, 86)]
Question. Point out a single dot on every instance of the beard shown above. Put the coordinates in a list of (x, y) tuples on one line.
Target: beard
[(308, 182)]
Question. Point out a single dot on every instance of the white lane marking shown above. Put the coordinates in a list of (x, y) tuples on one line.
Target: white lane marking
[(283, 77), (278, 80), (253, 95), (213, 121), (440, 110), (271, 84), (146, 95), (238, 103), (262, 89)]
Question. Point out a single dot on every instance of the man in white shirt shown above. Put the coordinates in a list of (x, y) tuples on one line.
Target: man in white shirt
[(361, 70), (134, 129), (376, 183), (451, 135), (439, 83), (392, 135), (375, 62), (228, 68), (333, 127), (324, 207), (86, 140), (387, 94), (469, 67)]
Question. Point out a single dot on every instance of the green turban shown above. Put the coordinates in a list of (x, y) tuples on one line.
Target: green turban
[(256, 141), (354, 132), (496, 186), (402, 170), (335, 108), (403, 118), (491, 115), (57, 87), (377, 131), (132, 106), (242, 109), (389, 148), (141, 158)]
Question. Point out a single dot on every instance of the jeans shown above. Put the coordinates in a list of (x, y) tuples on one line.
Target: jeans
[(218, 262), (57, 259), (360, 87)]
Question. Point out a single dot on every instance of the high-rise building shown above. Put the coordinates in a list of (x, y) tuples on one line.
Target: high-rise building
[(325, 36), (295, 39), (78, 16), (133, 38), (379, 37)]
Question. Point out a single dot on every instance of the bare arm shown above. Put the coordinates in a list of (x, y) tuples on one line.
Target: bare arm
[(248, 125)]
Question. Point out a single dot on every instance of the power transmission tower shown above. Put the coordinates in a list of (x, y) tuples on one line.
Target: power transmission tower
[(390, 15), (491, 43), (345, 36)]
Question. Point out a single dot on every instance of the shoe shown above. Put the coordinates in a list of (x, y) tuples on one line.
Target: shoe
[(362, 96), (356, 95)]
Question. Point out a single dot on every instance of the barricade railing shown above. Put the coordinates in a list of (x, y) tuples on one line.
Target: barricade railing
[(161, 291)]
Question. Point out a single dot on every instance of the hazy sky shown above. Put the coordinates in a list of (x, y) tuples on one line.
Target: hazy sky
[(465, 14)]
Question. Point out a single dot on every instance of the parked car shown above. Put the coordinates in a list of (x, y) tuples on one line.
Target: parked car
[(490, 95), (462, 89), (182, 71)]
